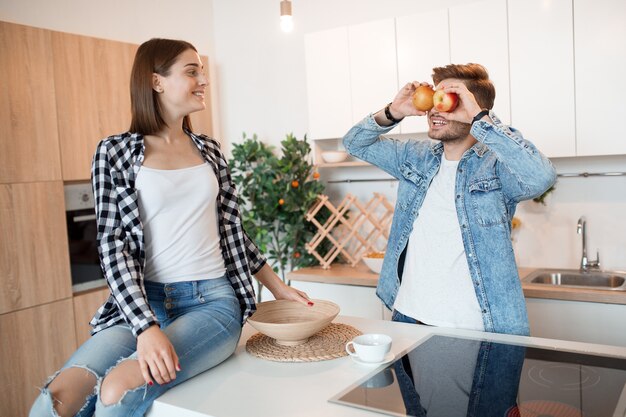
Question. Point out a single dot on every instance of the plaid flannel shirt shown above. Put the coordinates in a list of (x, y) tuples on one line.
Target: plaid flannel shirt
[(120, 233)]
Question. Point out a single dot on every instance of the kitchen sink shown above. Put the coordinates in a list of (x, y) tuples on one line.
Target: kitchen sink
[(599, 280)]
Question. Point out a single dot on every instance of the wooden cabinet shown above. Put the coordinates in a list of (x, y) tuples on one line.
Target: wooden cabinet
[(328, 83), (478, 34), (34, 260), (600, 54), (539, 75), (418, 54), (85, 306), (29, 147), (35, 343), (92, 79), (373, 69)]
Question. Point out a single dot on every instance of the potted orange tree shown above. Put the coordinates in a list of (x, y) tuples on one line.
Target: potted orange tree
[(275, 192)]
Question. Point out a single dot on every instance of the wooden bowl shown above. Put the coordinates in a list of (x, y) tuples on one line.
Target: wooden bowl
[(291, 323)]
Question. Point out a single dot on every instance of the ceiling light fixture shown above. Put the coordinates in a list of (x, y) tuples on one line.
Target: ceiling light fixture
[(286, 19)]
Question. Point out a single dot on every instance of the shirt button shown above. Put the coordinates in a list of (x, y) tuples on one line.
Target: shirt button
[(470, 255), (168, 305), (477, 283), (458, 196), (484, 311), (464, 226)]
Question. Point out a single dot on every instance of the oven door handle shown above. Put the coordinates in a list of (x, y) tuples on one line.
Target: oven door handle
[(84, 218)]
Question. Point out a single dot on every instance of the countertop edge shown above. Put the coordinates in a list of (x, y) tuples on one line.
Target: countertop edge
[(360, 275)]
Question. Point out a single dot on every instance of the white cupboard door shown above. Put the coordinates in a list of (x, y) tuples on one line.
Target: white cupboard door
[(373, 67), (328, 83), (478, 34), (600, 58), (541, 48), (418, 54)]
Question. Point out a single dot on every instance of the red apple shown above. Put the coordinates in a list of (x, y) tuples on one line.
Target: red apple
[(445, 102), (423, 98)]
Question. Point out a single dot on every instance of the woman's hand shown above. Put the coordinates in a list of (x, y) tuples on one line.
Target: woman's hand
[(285, 292), (278, 288), (157, 357)]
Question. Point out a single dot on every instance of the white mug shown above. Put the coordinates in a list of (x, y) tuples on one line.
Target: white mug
[(370, 347)]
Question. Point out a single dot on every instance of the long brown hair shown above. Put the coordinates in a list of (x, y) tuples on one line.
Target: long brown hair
[(475, 77), (153, 56)]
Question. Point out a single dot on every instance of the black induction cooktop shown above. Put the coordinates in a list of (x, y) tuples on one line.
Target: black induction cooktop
[(456, 377)]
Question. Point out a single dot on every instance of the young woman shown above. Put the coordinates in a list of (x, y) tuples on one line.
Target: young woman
[(172, 247)]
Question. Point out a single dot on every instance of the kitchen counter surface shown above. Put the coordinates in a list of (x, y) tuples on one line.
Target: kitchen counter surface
[(362, 276), (245, 385)]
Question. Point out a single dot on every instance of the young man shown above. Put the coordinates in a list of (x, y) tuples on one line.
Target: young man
[(449, 259)]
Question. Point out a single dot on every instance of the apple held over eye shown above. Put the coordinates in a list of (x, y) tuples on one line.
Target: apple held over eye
[(445, 102), (423, 98)]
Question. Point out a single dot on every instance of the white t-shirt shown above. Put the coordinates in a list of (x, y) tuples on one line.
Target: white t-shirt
[(436, 286), (178, 209)]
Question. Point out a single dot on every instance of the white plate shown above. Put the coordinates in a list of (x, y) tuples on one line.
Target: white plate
[(388, 358)]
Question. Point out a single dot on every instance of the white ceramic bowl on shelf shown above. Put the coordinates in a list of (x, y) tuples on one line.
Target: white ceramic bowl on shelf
[(333, 157), (291, 323), (374, 261)]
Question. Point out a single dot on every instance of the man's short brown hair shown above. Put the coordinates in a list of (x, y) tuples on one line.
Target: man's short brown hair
[(475, 77)]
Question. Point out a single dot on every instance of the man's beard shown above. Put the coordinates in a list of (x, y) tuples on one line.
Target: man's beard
[(455, 131)]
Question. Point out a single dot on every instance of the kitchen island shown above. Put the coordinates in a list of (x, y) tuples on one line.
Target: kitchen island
[(245, 385)]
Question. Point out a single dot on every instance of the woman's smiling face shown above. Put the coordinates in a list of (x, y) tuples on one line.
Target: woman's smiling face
[(184, 87)]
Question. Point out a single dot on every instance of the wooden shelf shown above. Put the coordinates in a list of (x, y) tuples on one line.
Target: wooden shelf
[(343, 274), (344, 164)]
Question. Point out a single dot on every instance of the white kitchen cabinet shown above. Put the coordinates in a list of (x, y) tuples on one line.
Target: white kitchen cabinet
[(577, 321), (418, 54), (478, 34), (328, 83), (600, 57), (541, 48), (351, 72), (373, 68)]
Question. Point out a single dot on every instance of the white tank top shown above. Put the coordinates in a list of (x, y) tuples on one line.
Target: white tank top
[(436, 286), (178, 209)]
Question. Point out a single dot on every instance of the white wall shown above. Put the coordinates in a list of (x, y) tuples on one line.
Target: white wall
[(261, 70)]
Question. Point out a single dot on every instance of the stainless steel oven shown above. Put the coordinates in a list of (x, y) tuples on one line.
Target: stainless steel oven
[(81, 232)]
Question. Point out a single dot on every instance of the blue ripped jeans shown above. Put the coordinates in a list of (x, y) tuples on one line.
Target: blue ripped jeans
[(202, 320)]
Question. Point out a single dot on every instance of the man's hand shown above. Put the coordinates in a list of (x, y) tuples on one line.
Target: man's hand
[(156, 356), (402, 104), (467, 107)]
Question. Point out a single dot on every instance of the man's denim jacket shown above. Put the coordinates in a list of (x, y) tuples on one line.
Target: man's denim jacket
[(496, 173)]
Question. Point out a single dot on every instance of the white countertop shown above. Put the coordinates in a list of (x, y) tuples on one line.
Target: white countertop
[(245, 385)]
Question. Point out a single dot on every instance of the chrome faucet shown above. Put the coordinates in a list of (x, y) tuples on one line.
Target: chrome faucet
[(585, 263)]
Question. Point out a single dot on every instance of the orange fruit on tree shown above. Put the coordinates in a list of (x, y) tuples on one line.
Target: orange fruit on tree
[(295, 183), (316, 175), (423, 98), (281, 202)]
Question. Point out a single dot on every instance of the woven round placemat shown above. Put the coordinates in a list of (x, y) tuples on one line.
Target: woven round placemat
[(328, 343)]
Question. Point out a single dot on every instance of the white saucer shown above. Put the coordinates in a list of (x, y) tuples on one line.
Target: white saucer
[(388, 358)]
